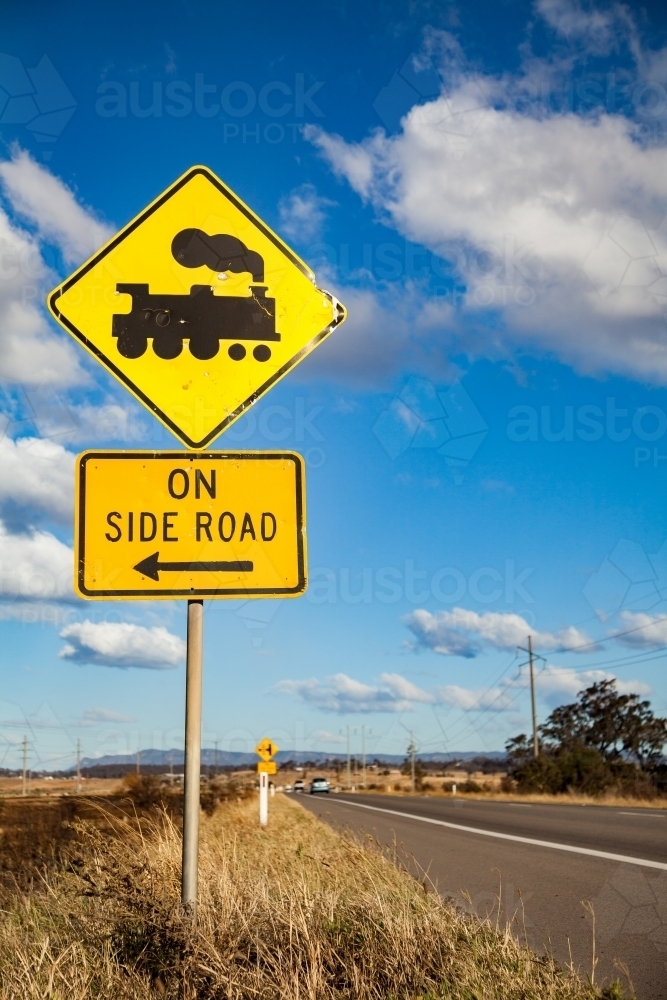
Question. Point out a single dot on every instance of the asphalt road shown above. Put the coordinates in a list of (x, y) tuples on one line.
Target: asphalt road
[(539, 889)]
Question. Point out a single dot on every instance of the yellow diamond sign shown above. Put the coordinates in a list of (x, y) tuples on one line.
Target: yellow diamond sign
[(266, 749), (197, 307)]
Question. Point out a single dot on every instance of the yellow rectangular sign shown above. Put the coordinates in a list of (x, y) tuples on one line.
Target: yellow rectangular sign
[(156, 525), (267, 767)]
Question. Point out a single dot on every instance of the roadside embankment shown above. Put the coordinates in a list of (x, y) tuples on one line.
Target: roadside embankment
[(296, 910)]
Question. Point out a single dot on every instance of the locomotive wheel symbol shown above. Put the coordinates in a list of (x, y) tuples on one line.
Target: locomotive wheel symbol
[(237, 352), (204, 348), (132, 346), (162, 317), (168, 347), (261, 353)]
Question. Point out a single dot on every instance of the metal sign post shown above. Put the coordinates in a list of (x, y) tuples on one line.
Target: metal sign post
[(193, 687), (198, 309)]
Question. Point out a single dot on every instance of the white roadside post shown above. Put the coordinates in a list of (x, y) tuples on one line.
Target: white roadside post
[(266, 749), (263, 798)]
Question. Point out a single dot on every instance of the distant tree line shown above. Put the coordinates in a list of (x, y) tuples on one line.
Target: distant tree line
[(602, 742)]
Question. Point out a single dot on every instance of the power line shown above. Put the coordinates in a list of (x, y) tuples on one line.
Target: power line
[(633, 660), (472, 708), (476, 703), (616, 635)]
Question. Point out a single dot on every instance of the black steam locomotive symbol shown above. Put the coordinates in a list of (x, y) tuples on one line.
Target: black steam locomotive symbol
[(200, 317)]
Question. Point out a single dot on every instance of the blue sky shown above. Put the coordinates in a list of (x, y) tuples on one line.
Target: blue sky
[(484, 187)]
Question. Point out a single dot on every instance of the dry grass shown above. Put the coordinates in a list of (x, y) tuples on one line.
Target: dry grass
[(293, 912)]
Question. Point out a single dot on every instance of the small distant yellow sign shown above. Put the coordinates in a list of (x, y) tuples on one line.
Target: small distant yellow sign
[(158, 525), (266, 749), (196, 307), (267, 767)]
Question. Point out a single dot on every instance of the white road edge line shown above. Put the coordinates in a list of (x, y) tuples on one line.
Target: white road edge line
[(509, 836)]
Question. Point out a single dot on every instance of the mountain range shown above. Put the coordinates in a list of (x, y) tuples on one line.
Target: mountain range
[(232, 758)]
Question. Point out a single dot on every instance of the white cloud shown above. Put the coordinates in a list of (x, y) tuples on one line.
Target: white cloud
[(34, 566), (51, 206), (120, 644), (55, 417), (108, 422), (93, 716), (552, 221), (600, 31), (302, 213), (405, 689), (467, 699), (651, 631), (460, 632), (341, 693), (385, 329), (30, 351), (36, 479), (553, 685), (557, 684), (394, 693)]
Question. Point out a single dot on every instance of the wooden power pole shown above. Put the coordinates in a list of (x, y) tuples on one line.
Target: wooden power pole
[(536, 745)]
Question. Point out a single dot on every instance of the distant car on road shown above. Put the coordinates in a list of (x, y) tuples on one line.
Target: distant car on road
[(288, 788), (319, 785), (299, 786)]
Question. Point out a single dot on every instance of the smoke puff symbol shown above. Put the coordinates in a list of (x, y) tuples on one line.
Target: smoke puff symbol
[(195, 248)]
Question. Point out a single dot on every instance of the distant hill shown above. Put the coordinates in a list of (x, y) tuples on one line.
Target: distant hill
[(232, 758)]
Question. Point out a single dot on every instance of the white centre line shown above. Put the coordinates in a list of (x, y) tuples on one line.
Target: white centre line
[(509, 836), (642, 814)]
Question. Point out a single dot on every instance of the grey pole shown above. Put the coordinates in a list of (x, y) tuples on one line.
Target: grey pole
[(192, 756)]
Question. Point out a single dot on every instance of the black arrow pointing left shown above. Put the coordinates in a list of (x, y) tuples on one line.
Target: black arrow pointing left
[(152, 567)]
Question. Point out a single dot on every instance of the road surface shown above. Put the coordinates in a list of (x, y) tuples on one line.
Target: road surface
[(614, 858)]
